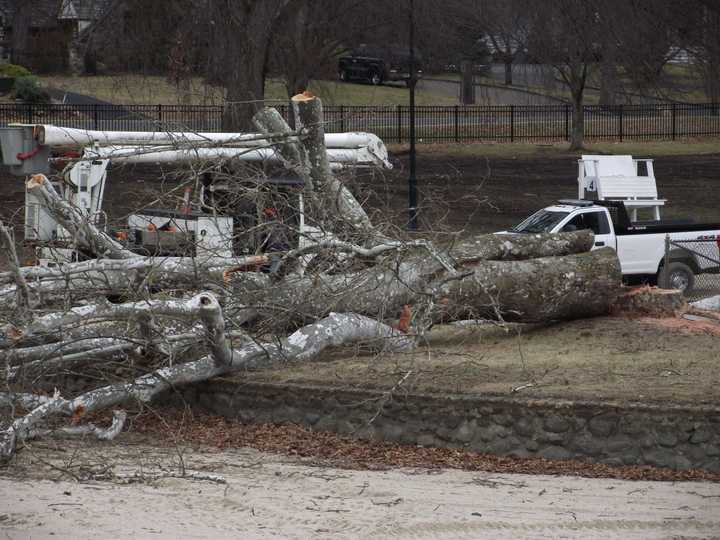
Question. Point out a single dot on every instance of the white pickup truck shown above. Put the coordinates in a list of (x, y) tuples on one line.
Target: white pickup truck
[(640, 245)]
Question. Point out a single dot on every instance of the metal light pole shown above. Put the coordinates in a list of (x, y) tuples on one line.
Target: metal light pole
[(412, 181)]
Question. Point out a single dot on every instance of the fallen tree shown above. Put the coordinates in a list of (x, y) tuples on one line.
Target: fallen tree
[(179, 320)]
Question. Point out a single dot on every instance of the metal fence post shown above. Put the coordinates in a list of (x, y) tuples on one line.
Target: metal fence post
[(29, 113), (621, 122), (512, 123), (342, 119), (95, 115), (664, 275), (399, 123), (159, 115), (567, 122)]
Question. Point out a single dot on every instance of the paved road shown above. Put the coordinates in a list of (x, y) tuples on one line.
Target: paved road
[(488, 95)]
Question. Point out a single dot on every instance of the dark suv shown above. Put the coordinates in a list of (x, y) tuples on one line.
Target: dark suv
[(378, 64)]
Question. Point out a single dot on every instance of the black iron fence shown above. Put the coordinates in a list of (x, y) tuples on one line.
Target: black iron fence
[(499, 123)]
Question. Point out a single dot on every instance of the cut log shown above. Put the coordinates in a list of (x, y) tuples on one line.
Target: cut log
[(292, 154), (309, 159), (542, 289), (516, 247), (310, 122), (537, 290), (651, 302), (76, 281)]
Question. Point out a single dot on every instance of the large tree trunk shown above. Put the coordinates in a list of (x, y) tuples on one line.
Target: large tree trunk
[(508, 71), (20, 39), (540, 289), (242, 31), (577, 134)]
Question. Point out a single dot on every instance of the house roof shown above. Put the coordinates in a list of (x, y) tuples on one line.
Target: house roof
[(47, 13)]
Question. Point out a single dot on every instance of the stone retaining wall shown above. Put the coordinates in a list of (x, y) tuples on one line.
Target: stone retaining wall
[(612, 433)]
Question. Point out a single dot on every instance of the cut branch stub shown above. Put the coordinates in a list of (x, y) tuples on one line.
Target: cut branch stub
[(309, 120), (211, 316)]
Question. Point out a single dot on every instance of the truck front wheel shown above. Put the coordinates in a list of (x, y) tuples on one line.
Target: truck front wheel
[(679, 276)]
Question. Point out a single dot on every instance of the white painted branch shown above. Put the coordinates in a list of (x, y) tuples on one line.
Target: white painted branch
[(69, 361), (83, 315), (47, 351), (307, 342), (76, 222), (102, 434), (309, 120), (57, 136), (211, 316), (100, 350), (339, 157), (26, 401), (24, 298)]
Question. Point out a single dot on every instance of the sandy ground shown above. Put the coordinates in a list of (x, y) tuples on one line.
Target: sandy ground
[(267, 496)]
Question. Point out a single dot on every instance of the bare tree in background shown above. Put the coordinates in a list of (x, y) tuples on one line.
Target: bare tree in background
[(22, 15), (699, 28), (567, 35), (240, 33), (636, 45), (311, 32), (504, 24)]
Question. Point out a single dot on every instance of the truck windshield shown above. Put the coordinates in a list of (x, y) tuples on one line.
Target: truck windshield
[(542, 221)]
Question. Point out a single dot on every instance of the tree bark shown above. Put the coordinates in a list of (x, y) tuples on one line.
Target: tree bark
[(310, 122), (508, 72), (548, 288), (537, 290), (241, 34), (20, 40), (514, 247), (577, 134)]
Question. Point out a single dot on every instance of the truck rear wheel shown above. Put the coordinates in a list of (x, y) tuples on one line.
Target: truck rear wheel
[(680, 276), (375, 78)]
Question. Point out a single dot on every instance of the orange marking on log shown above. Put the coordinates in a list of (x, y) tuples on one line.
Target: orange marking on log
[(252, 265), (403, 324), (78, 414), (15, 333)]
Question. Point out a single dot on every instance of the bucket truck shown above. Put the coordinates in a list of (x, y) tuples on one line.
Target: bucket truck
[(222, 221)]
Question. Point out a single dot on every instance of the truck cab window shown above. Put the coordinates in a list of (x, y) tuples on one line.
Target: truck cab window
[(595, 221)]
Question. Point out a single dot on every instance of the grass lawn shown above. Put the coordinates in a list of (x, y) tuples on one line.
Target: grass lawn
[(598, 359), (137, 90)]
